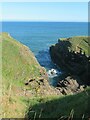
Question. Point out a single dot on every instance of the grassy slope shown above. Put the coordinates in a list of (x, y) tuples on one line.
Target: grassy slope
[(19, 65), (79, 42)]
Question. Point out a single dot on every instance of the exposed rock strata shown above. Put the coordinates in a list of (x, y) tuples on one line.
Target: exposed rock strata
[(72, 57), (70, 85)]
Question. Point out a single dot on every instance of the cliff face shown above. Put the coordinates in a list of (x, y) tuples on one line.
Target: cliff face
[(72, 54)]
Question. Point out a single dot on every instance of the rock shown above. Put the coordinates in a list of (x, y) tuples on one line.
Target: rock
[(31, 80), (82, 88), (26, 83), (68, 55), (41, 87), (66, 91), (69, 85)]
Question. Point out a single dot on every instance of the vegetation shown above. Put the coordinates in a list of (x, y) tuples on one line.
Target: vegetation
[(70, 106), (78, 43), (20, 65)]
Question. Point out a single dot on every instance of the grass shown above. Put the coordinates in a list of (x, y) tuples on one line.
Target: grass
[(56, 107), (79, 42), (0, 73), (19, 65)]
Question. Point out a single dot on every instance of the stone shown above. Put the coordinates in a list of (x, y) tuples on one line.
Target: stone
[(26, 83), (70, 85)]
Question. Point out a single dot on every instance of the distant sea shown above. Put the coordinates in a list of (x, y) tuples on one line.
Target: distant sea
[(39, 36)]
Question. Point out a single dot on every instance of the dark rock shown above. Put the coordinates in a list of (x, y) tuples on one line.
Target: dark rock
[(31, 80), (72, 59), (41, 80), (26, 83), (64, 92)]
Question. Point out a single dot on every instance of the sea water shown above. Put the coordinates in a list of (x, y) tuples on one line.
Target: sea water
[(39, 36)]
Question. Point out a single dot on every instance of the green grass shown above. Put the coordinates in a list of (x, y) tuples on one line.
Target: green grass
[(79, 41), (0, 73), (19, 65), (56, 107)]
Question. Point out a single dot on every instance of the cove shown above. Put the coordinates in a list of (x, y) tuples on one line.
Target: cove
[(39, 36), (44, 59)]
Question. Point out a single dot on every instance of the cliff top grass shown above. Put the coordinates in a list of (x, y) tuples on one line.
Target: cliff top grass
[(78, 42)]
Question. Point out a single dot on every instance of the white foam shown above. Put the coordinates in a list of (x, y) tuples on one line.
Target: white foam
[(53, 73)]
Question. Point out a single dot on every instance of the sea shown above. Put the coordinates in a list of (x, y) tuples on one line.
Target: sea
[(39, 36)]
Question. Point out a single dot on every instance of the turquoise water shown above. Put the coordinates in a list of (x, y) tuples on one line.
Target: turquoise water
[(39, 36)]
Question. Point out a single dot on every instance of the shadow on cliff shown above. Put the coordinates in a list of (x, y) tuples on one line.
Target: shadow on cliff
[(67, 76), (76, 63), (72, 106)]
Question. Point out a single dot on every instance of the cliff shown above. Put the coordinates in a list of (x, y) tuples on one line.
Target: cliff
[(72, 55), (22, 77)]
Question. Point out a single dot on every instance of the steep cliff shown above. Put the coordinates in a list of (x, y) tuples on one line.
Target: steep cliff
[(72, 55)]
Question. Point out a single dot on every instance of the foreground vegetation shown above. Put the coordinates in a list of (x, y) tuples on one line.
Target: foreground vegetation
[(19, 100), (70, 106)]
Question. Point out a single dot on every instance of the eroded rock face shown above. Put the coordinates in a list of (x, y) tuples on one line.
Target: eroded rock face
[(73, 56), (70, 85), (41, 87)]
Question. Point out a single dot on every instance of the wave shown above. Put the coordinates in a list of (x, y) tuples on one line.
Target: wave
[(53, 73)]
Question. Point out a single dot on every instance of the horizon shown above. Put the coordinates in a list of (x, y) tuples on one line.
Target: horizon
[(47, 21), (38, 21)]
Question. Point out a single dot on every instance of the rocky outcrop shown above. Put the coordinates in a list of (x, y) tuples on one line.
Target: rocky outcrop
[(41, 87), (70, 85), (72, 55)]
